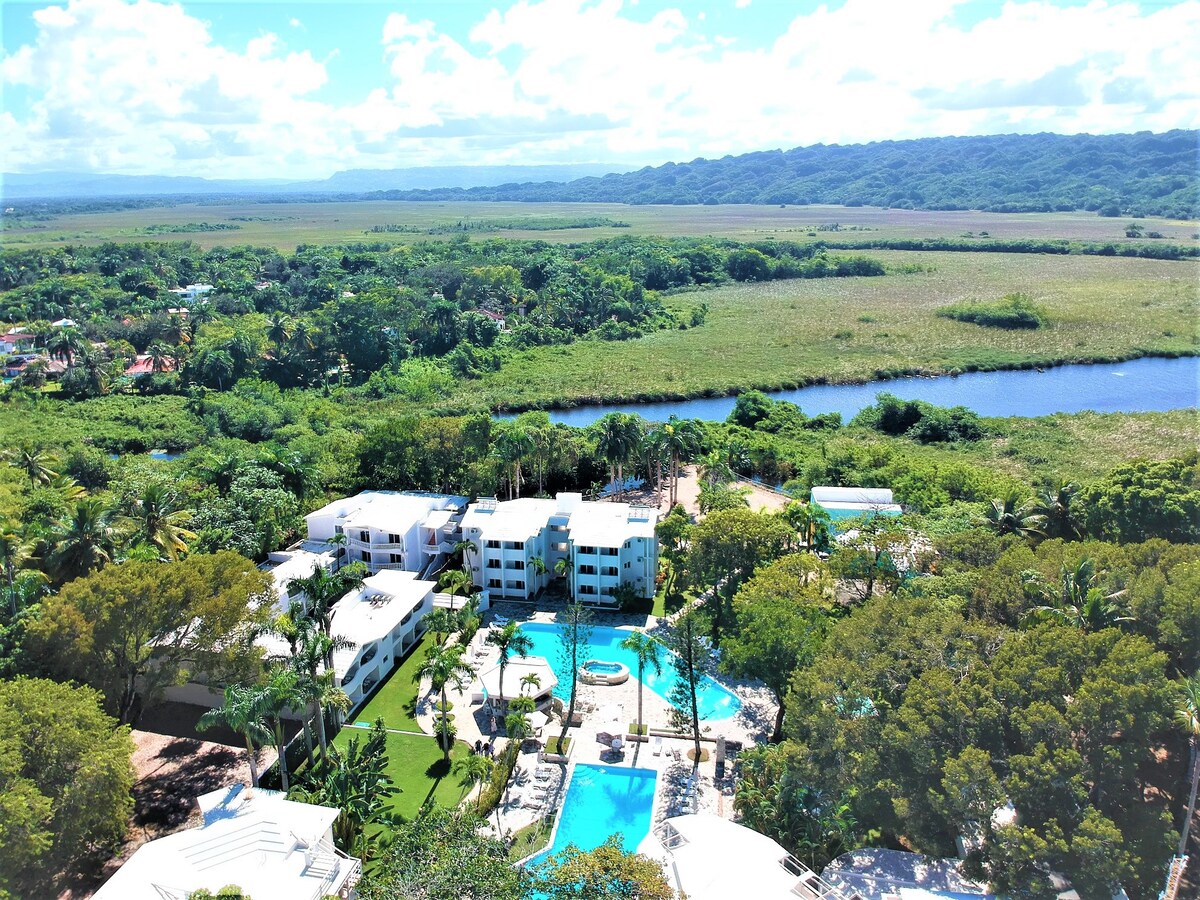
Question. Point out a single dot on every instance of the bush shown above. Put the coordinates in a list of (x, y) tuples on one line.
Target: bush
[(1015, 311)]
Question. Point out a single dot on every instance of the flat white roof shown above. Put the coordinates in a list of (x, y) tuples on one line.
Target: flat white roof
[(255, 839), (287, 565), (859, 507), (718, 859), (371, 611), (869, 496), (510, 520), (610, 524)]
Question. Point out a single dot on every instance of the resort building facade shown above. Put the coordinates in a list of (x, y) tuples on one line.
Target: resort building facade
[(519, 546)]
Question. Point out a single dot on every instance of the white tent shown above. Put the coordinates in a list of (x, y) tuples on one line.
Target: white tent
[(518, 667)]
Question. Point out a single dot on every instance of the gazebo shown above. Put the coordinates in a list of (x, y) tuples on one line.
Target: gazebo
[(514, 674)]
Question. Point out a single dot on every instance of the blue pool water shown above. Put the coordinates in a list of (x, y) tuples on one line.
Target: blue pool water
[(716, 701), (602, 801)]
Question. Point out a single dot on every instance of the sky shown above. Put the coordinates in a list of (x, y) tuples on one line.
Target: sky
[(299, 90)]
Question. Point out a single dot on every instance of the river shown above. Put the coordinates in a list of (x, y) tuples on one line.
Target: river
[(1140, 385)]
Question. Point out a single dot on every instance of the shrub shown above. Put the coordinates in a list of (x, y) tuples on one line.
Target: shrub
[(1015, 311)]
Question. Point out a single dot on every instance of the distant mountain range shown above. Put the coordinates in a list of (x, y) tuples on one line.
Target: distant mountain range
[(1114, 174), (78, 185)]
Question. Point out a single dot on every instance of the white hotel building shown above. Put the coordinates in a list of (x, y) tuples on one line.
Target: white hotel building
[(607, 544)]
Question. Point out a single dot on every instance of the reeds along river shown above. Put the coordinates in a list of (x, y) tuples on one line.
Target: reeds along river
[(1141, 385)]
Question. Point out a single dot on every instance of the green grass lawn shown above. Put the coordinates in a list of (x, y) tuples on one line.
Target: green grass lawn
[(784, 334), (396, 698), (415, 764)]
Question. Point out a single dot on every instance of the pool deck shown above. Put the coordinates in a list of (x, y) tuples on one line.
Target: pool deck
[(607, 709)]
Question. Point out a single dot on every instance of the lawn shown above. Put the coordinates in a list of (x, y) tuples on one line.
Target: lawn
[(786, 334), (395, 700), (415, 765)]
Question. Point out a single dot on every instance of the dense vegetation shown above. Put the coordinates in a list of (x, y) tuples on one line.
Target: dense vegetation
[(1013, 311), (1119, 174)]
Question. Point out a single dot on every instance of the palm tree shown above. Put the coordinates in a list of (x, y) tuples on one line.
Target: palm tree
[(443, 666), (512, 444), (473, 769), (517, 727), (34, 462), (319, 688), (649, 656), (240, 713), (465, 548), (1009, 515), (1187, 714), (456, 581), (160, 354), (338, 543), (511, 641), (84, 542), (322, 590), (530, 680), (65, 344), (1055, 506), (280, 693), (279, 331), (618, 436), (1078, 600), (441, 622), (155, 518), (538, 566), (14, 550), (67, 487), (714, 469)]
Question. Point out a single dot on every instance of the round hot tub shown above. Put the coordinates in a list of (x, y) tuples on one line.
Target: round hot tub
[(599, 671)]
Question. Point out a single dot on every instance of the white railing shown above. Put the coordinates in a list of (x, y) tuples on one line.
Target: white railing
[(1174, 878)]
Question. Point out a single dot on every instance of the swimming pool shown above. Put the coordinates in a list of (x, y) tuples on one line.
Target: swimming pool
[(602, 801), (716, 701)]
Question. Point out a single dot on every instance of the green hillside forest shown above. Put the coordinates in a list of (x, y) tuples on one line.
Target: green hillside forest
[(1116, 174)]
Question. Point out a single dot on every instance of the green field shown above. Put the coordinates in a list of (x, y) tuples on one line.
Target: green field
[(787, 333), (395, 700), (285, 225)]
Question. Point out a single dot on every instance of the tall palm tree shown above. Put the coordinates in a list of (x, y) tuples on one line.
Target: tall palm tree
[(65, 344), (649, 656), (456, 582), (86, 541), (617, 439), (319, 688), (538, 566), (155, 518), (279, 331), (510, 641), (240, 713), (1078, 599), (35, 462), (160, 354), (67, 488), (512, 444), (532, 681), (1187, 714), (441, 622), (1055, 506), (473, 769), (270, 701), (322, 590), (338, 543), (681, 439), (443, 666), (714, 468), (1011, 515), (14, 550)]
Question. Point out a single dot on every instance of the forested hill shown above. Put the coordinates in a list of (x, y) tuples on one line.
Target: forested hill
[(1117, 174)]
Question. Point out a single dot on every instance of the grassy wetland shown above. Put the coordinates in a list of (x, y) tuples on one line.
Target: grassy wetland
[(788, 333)]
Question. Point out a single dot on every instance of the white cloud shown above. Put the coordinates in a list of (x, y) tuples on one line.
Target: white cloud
[(143, 87)]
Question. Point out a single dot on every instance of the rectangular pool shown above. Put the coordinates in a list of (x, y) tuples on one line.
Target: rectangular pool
[(716, 701), (602, 801)]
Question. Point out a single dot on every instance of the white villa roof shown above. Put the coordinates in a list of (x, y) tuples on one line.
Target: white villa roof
[(859, 495), (717, 859), (610, 524), (860, 507), (511, 520), (518, 667), (255, 839), (436, 519), (875, 873), (297, 562), (371, 611), (392, 510)]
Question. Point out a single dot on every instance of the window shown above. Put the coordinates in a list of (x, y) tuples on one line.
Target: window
[(394, 539), (558, 527), (493, 582), (365, 537), (515, 564), (587, 570), (515, 545), (608, 551), (587, 550), (587, 589), (395, 558), (610, 571), (560, 548), (608, 591), (627, 565), (493, 545), (493, 563), (366, 557)]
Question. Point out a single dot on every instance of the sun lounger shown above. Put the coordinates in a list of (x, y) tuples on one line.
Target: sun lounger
[(500, 620), (657, 746), (675, 754)]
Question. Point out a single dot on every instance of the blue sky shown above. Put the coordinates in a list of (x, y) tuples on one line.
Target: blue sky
[(300, 90)]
